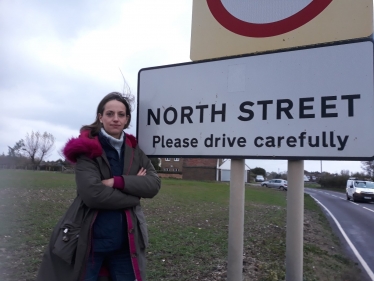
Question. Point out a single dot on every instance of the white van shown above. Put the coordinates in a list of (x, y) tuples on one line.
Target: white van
[(360, 190), (259, 178)]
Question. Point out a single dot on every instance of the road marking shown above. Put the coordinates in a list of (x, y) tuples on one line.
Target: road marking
[(356, 204), (368, 209), (357, 254), (342, 198)]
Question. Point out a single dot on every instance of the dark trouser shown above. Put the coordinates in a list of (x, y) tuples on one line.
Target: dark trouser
[(118, 262)]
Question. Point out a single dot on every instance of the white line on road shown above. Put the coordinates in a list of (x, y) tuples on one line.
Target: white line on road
[(355, 204), (368, 209), (357, 254)]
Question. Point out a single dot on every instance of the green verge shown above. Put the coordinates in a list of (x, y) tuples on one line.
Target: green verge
[(188, 229)]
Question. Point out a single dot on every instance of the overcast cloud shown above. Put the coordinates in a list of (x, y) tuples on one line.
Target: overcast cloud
[(59, 58)]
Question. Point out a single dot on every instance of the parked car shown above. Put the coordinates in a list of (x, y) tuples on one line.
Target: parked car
[(259, 178), (360, 190), (277, 183)]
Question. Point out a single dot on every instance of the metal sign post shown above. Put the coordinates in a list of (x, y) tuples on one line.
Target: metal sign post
[(295, 220), (236, 221)]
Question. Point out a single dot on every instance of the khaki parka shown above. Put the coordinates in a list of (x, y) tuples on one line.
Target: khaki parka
[(67, 253)]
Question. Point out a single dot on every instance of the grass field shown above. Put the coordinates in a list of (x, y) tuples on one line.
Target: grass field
[(188, 228)]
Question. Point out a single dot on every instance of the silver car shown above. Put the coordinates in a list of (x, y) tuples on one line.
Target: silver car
[(277, 183)]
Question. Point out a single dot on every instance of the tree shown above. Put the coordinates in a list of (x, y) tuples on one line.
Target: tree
[(345, 172), (16, 150), (15, 156), (259, 171), (156, 163), (359, 175), (61, 153), (38, 146), (368, 167), (272, 175)]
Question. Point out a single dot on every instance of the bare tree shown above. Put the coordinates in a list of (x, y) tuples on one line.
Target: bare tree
[(31, 145), (60, 152), (368, 167), (345, 172), (38, 146), (47, 142)]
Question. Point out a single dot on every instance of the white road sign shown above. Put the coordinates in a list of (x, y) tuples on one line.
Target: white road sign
[(309, 104)]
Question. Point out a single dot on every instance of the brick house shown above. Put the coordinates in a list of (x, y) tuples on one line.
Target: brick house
[(171, 164), (192, 168), (200, 169)]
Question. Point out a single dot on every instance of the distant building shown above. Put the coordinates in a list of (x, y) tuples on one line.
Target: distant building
[(204, 169), (192, 168), (171, 164)]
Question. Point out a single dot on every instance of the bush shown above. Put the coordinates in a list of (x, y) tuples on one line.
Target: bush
[(333, 181)]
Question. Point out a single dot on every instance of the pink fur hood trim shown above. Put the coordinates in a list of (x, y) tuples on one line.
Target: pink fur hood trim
[(88, 147)]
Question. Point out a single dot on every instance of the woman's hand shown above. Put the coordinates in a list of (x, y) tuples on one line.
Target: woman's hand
[(142, 172), (108, 182)]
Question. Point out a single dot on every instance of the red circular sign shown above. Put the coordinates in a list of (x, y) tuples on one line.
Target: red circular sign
[(259, 30)]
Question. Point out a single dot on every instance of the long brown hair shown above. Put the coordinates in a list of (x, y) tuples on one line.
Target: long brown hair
[(96, 126)]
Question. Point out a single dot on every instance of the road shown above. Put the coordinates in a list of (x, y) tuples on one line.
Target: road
[(353, 223)]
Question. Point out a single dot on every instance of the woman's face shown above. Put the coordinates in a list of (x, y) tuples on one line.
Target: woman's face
[(114, 118)]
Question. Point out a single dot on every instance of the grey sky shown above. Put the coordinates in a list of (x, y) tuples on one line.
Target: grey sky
[(59, 58)]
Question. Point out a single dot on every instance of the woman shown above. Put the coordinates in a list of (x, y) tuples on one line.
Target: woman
[(103, 235)]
